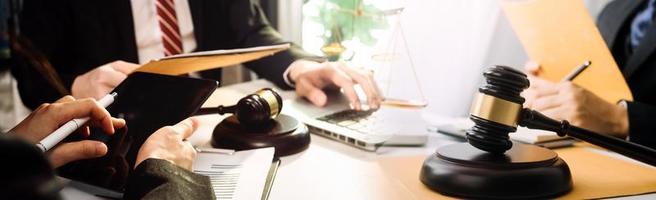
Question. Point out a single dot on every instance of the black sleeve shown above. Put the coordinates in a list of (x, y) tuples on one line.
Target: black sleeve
[(39, 32), (252, 29), (25, 173), (641, 119), (160, 179)]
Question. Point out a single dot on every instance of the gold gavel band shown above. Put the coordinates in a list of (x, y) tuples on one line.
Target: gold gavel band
[(496, 109), (271, 99)]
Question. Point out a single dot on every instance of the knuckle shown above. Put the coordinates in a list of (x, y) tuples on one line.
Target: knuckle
[(68, 97), (167, 131), (88, 149), (92, 103), (54, 107), (43, 107), (192, 152)]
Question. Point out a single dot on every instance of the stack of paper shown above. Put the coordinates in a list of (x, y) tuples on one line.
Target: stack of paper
[(238, 175)]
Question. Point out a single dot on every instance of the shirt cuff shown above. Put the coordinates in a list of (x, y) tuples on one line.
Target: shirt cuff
[(287, 79)]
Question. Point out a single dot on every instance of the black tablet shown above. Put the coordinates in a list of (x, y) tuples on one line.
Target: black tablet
[(147, 102)]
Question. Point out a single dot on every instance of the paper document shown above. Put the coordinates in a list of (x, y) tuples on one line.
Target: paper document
[(240, 175), (199, 61), (561, 35)]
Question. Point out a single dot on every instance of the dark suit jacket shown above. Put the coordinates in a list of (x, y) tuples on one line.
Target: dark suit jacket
[(638, 66), (79, 35), (30, 176)]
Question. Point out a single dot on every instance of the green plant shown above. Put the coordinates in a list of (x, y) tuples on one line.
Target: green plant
[(348, 19)]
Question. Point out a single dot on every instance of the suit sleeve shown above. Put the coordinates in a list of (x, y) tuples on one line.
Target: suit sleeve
[(42, 24), (252, 29), (160, 179), (26, 173), (641, 119)]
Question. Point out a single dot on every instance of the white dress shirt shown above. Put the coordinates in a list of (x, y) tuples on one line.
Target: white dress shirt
[(149, 36)]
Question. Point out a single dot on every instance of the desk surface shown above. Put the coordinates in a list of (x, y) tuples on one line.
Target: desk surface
[(327, 169)]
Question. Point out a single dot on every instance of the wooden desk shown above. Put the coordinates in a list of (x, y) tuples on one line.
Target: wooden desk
[(327, 169)]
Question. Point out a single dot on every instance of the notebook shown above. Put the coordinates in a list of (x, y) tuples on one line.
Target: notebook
[(240, 175)]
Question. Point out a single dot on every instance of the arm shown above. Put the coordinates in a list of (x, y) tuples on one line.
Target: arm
[(309, 73), (38, 31), (163, 167), (29, 176), (641, 119), (251, 28), (160, 179)]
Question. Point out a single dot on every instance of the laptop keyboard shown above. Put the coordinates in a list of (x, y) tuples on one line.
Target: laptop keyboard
[(365, 122)]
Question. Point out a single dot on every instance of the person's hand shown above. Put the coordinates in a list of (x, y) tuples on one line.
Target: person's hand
[(169, 143), (533, 70), (48, 117), (311, 77), (101, 80), (568, 101)]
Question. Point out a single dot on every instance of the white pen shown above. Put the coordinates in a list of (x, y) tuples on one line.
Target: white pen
[(71, 126)]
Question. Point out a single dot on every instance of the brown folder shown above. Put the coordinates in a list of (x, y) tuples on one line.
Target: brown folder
[(199, 61), (560, 35)]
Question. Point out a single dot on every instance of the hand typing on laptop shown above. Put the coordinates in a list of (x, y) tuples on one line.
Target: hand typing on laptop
[(311, 77)]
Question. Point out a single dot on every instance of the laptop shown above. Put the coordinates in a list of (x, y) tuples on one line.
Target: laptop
[(366, 129)]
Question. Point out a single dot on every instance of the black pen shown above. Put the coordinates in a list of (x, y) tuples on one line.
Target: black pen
[(571, 76)]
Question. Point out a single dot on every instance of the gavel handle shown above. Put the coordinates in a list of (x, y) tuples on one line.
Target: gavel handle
[(535, 120), (218, 110)]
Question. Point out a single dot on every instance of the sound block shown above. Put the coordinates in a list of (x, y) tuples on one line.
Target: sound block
[(285, 133), (523, 172)]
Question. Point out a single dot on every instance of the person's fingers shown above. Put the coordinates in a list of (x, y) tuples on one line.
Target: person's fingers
[(312, 93), (546, 102), (124, 67), (185, 128), (112, 77), (556, 113), (83, 108), (343, 81), (84, 131), (116, 122), (68, 152), (532, 67), (537, 82), (546, 90), (67, 98), (529, 96), (366, 82)]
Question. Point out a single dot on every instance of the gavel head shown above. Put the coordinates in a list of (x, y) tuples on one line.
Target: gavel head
[(258, 108), (496, 109)]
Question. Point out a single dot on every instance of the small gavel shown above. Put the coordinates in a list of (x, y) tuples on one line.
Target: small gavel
[(255, 109)]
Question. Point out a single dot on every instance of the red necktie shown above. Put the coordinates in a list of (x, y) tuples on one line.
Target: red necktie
[(168, 24)]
